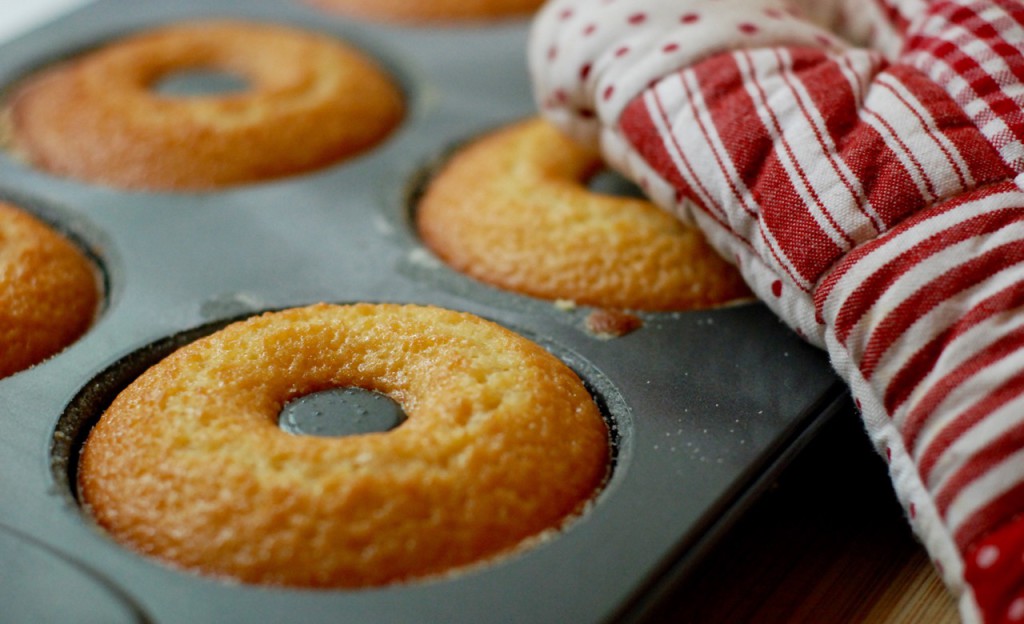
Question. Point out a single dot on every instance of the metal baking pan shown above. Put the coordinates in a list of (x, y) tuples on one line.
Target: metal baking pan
[(705, 405)]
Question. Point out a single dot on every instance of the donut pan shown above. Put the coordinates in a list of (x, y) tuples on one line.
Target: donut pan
[(705, 406)]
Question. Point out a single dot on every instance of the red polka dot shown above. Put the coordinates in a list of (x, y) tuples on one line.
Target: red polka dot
[(565, 14), (689, 18), (777, 288), (913, 511), (609, 91), (561, 96), (624, 50), (888, 454), (637, 18), (589, 30), (747, 28), (552, 53), (774, 13), (670, 48), (585, 71)]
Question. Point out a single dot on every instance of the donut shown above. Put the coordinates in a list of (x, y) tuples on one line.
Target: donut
[(49, 291), (434, 11), (512, 209), (189, 465), (308, 101)]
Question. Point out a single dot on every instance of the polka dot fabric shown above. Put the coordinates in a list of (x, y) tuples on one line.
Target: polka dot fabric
[(862, 161)]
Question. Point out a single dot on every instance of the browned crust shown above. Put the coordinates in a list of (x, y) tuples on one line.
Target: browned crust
[(502, 443), (49, 291), (511, 209), (313, 101), (432, 11)]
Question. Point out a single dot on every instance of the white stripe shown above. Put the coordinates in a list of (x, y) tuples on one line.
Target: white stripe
[(698, 183), (875, 119), (948, 312), (859, 68), (949, 149), (682, 166), (689, 113), (982, 491), (732, 185), (917, 144), (785, 123), (901, 240), (789, 121), (963, 348), (835, 184), (984, 433)]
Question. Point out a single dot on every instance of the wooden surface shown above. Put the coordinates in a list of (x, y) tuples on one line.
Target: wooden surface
[(828, 543)]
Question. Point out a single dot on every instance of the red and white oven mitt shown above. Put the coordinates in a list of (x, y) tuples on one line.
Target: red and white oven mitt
[(863, 163)]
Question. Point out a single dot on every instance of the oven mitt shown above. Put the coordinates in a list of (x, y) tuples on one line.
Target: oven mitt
[(861, 161)]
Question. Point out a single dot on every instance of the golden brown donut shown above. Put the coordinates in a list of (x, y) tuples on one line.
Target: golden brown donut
[(188, 464), (410, 11), (310, 101), (511, 209), (49, 291)]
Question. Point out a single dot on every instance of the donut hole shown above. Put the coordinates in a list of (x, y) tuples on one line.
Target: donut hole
[(200, 82), (339, 412), (608, 182)]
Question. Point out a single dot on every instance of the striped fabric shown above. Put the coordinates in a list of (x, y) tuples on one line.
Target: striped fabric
[(871, 189)]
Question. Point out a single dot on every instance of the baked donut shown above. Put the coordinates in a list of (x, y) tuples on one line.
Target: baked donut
[(49, 291), (309, 100), (189, 465), (511, 209), (434, 11)]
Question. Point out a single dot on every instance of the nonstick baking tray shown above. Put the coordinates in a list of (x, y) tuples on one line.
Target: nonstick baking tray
[(705, 406)]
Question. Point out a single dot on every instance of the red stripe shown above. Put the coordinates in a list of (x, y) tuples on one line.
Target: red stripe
[(889, 187), (923, 361), (874, 286), (835, 104), (639, 129), (723, 68), (851, 311), (984, 459), (1000, 511), (734, 117), (892, 15), (807, 247), (933, 133), (940, 289), (894, 136), (925, 409)]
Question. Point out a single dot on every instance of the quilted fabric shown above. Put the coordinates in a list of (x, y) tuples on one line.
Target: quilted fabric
[(861, 160)]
